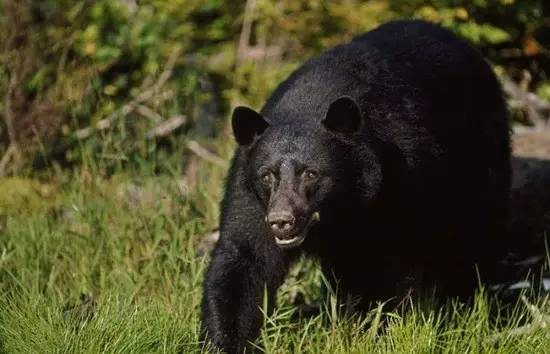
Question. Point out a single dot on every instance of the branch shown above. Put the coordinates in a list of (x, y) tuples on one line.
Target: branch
[(244, 38), (205, 154), (539, 321), (538, 317), (132, 105), (166, 127), (537, 109), (207, 243), (11, 154), (149, 113), (8, 113)]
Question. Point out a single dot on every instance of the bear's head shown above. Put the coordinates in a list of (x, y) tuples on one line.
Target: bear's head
[(299, 169)]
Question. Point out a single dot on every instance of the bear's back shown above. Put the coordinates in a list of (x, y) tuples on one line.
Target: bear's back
[(404, 68)]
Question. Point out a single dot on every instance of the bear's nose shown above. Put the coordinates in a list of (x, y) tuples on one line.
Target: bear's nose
[(281, 222)]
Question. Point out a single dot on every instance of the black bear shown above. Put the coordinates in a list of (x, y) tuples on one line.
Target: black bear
[(388, 158)]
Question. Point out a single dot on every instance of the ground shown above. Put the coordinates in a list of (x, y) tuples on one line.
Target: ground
[(129, 244)]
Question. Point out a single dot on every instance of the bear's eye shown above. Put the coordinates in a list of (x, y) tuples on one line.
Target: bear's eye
[(266, 177), (310, 174)]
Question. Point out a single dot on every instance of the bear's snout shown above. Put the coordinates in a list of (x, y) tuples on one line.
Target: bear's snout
[(288, 230), (281, 223)]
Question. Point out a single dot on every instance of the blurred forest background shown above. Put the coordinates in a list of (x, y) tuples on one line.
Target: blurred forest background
[(111, 82)]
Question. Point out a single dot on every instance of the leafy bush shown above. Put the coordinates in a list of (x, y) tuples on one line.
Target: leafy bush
[(68, 65)]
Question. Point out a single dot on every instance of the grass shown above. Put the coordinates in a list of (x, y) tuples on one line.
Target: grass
[(128, 242)]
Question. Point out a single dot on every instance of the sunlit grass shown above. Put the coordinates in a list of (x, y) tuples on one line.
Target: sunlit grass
[(128, 242)]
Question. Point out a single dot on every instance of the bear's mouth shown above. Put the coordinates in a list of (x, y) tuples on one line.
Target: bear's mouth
[(299, 238), (293, 242)]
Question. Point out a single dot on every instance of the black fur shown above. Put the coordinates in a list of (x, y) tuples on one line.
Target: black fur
[(411, 196)]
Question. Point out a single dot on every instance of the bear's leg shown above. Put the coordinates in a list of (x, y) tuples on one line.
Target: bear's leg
[(235, 284), (393, 281), (343, 282)]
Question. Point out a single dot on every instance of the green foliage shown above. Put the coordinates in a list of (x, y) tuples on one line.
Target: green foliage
[(22, 194), (83, 60), (67, 65)]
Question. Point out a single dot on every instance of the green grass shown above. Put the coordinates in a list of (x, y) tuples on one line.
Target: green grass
[(129, 242)]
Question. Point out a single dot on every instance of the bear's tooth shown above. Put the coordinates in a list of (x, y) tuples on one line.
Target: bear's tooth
[(316, 216)]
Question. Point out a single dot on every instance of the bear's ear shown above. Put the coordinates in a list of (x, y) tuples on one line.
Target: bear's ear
[(247, 124), (343, 117)]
